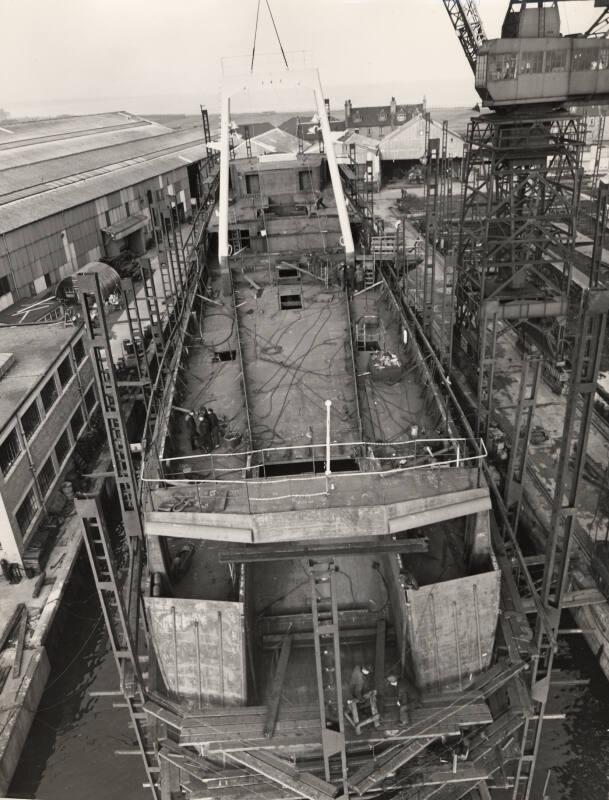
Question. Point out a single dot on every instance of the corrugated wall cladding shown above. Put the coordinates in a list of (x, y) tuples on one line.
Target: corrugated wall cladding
[(62, 243)]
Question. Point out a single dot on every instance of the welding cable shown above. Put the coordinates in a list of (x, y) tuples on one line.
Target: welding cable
[(281, 411), (303, 337), (282, 597), (377, 569), (348, 577)]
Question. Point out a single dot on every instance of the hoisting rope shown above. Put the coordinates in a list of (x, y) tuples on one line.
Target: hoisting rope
[(276, 34), (255, 34)]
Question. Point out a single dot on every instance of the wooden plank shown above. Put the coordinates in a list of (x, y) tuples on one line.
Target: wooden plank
[(306, 739), (6, 631), (4, 673), (20, 644), (232, 715), (277, 689), (574, 599), (488, 683), (283, 775), (296, 732), (306, 777), (367, 777), (379, 663), (162, 714)]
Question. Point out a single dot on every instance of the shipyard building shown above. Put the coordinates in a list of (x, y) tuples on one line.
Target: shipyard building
[(77, 189)]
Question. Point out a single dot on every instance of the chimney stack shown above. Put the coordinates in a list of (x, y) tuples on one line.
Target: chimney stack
[(347, 113)]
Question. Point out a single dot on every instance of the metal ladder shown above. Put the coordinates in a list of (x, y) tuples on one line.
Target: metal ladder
[(324, 609), (124, 648)]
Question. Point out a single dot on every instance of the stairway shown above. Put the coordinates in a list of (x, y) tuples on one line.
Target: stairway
[(324, 609)]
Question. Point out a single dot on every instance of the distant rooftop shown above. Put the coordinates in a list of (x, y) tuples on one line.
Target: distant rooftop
[(273, 140), (380, 116), (35, 348)]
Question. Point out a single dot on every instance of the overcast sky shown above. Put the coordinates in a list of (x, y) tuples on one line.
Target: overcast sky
[(78, 56)]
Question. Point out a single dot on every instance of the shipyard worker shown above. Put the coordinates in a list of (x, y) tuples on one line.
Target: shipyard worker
[(400, 688), (191, 428), (215, 427), (350, 277), (358, 685), (319, 200), (341, 274), (204, 429), (359, 277)]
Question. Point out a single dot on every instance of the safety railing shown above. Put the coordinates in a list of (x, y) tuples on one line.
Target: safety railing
[(236, 482)]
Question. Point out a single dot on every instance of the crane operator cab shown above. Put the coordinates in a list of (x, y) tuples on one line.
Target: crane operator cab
[(534, 64)]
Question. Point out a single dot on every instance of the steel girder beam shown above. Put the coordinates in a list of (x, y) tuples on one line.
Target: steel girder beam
[(468, 27)]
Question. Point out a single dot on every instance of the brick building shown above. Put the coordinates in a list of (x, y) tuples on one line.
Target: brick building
[(47, 396), (378, 121)]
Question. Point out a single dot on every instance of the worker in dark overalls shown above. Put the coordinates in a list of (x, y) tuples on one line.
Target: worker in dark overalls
[(215, 428), (191, 428), (359, 277), (405, 693), (360, 678), (204, 430), (350, 277), (341, 274)]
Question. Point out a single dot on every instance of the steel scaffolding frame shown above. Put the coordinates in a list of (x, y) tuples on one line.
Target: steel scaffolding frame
[(522, 181), (586, 356)]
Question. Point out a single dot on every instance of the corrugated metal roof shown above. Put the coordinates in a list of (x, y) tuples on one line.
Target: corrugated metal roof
[(15, 132), (60, 198), (272, 141), (458, 118), (307, 127), (407, 143), (58, 148), (32, 178)]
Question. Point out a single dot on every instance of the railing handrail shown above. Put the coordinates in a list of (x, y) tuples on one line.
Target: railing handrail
[(309, 446), (334, 476)]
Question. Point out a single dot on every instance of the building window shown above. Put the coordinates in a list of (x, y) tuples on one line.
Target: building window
[(252, 183), (46, 475), (76, 423), (90, 398), (27, 511), (48, 394), (556, 60), (305, 181), (62, 448), (79, 351), (9, 451), (531, 62), (31, 419), (64, 370), (5, 286)]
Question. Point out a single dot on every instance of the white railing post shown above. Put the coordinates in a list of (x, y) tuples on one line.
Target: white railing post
[(328, 407)]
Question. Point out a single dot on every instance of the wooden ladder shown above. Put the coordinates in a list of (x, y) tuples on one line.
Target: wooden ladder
[(327, 659)]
